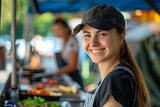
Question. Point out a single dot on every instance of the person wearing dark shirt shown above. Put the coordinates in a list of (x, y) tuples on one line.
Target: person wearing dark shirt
[(122, 83)]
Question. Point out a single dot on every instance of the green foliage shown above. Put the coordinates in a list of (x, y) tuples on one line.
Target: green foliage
[(6, 18), (91, 79), (42, 23)]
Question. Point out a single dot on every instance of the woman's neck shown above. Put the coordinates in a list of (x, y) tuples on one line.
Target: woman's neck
[(107, 67)]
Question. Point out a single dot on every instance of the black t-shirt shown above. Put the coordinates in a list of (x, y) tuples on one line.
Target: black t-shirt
[(121, 84)]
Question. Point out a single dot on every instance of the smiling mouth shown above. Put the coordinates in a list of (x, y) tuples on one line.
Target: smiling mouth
[(96, 51)]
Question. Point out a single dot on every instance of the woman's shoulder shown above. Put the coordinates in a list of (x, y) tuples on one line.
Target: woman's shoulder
[(72, 44), (121, 71), (73, 39), (119, 83), (119, 74)]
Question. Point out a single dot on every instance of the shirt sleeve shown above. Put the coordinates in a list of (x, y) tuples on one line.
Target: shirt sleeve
[(121, 88), (73, 45)]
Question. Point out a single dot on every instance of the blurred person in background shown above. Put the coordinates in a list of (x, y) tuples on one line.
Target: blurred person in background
[(67, 58)]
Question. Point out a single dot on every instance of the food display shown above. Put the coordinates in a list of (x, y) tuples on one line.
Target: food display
[(43, 92), (49, 89), (37, 102), (51, 86), (68, 89)]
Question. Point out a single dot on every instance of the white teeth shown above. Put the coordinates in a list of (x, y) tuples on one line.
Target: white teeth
[(96, 51)]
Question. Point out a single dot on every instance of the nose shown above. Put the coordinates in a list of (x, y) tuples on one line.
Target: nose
[(94, 41)]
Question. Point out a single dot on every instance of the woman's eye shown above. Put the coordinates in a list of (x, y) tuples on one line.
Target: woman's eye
[(102, 34), (86, 35)]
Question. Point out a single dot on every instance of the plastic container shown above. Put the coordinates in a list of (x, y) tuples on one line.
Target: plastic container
[(14, 97)]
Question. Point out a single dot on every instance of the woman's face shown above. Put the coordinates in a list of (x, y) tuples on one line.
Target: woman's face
[(59, 30), (101, 45)]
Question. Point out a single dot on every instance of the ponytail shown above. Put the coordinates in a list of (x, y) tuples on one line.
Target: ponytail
[(126, 58)]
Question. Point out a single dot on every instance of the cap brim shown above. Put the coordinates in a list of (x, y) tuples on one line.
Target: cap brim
[(95, 24), (77, 29)]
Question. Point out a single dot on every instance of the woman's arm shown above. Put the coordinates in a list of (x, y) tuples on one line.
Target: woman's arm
[(72, 66), (111, 102)]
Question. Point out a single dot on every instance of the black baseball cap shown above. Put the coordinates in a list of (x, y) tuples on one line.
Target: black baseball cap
[(104, 17)]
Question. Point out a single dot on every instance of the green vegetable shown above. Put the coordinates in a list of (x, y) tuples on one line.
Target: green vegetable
[(38, 102)]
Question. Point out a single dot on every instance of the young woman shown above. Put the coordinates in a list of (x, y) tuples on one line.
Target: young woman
[(67, 59), (122, 83)]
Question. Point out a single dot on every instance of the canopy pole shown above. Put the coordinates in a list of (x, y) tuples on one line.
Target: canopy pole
[(13, 46), (0, 12), (153, 6)]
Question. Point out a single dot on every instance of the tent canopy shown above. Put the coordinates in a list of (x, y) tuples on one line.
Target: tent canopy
[(76, 6)]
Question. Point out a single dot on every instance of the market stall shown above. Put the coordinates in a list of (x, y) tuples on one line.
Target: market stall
[(36, 86), (51, 88)]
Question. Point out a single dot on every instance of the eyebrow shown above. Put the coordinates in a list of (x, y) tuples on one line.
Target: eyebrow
[(89, 32), (85, 32)]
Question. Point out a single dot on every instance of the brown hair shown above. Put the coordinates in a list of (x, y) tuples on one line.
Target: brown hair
[(143, 95), (127, 59), (63, 22)]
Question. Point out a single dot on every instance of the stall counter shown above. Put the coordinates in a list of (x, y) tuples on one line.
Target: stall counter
[(5, 83)]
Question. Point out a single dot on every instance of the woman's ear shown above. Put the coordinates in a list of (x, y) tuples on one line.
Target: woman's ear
[(122, 37)]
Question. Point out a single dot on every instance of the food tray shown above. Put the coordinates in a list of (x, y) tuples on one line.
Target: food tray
[(25, 95)]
